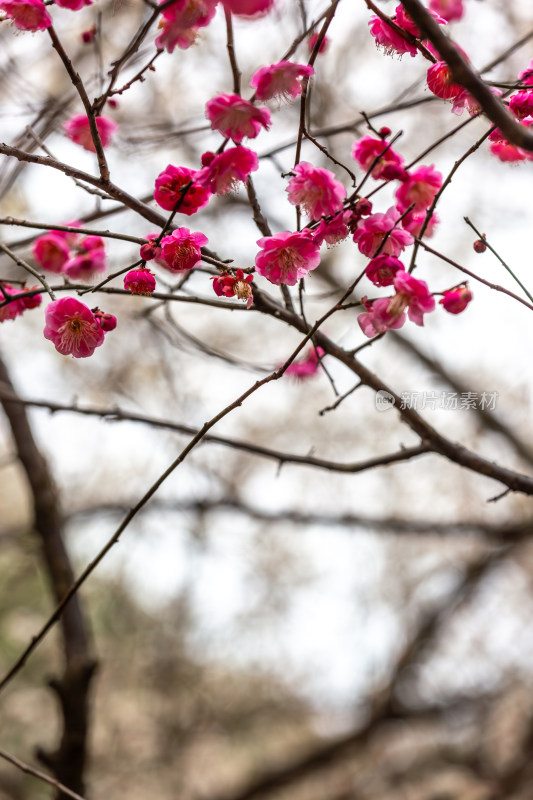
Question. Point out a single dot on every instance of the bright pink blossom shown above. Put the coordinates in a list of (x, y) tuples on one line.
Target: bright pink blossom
[(86, 265), (456, 300), (440, 81), (389, 39), (287, 257), (74, 5), (182, 249), (140, 281), (107, 322), (405, 22), (414, 223), (313, 39), (87, 259), (239, 286), (381, 232), (150, 251), (308, 366), (413, 295), (181, 22), (331, 231), (388, 164), (28, 15), (223, 172), (16, 307), (504, 150), (236, 118), (378, 318), (51, 251), (283, 80), (507, 152), (248, 8), (449, 9), (72, 327), (170, 190), (382, 269), (420, 188), (316, 190), (521, 104), (526, 75), (77, 128)]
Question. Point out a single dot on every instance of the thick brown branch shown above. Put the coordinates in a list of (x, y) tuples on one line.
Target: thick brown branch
[(68, 761), (463, 73)]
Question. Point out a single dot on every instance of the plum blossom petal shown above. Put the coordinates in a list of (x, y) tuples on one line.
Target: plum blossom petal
[(382, 232), (78, 130), (456, 300), (316, 190), (419, 189), (283, 80), (235, 117), (170, 190), (287, 257), (181, 250), (72, 327), (27, 15), (223, 172)]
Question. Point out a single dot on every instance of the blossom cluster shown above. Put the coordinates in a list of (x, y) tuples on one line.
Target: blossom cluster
[(399, 35), (78, 257)]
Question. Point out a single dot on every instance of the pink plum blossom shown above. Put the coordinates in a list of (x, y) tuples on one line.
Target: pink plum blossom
[(440, 81), (223, 172), (149, 250), (313, 39), (236, 118), (378, 318), (382, 269), (287, 257), (27, 15), (414, 222), (18, 306), (316, 190), (87, 259), (456, 300), (170, 190), (227, 285), (77, 128), (389, 39), (412, 294), (405, 22), (72, 327), (107, 322), (526, 75), (381, 232), (74, 5), (51, 251), (248, 8), (307, 366), (420, 188), (181, 22), (283, 80), (388, 164), (140, 281), (182, 249), (331, 231), (86, 265), (506, 151), (521, 104), (449, 9)]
